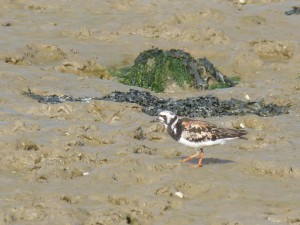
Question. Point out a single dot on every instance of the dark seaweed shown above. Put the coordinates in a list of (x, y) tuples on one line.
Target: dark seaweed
[(201, 106), (295, 10), (54, 99)]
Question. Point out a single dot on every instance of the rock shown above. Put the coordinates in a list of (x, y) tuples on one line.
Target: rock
[(160, 70)]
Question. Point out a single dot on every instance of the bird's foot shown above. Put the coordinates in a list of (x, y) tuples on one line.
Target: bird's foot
[(197, 166)]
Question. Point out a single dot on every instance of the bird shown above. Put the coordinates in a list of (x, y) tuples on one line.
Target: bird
[(197, 133)]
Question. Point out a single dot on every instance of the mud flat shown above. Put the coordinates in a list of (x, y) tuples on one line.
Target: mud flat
[(103, 162)]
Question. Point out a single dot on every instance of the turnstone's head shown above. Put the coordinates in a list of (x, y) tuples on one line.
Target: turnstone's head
[(166, 117)]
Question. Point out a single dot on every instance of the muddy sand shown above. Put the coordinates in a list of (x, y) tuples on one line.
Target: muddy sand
[(104, 162)]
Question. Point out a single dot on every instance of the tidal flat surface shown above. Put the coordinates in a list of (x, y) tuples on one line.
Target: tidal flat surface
[(104, 162)]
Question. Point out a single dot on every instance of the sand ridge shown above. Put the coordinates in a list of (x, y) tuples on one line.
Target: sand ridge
[(104, 162)]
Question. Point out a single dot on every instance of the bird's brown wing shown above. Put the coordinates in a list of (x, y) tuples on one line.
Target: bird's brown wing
[(197, 130)]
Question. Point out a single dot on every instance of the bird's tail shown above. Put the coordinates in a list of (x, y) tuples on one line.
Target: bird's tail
[(231, 133)]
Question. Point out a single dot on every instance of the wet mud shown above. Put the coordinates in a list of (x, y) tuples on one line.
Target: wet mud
[(104, 162)]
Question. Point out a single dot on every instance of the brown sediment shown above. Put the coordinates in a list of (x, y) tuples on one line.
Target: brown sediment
[(104, 162)]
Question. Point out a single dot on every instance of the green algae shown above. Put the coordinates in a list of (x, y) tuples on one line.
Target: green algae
[(157, 70)]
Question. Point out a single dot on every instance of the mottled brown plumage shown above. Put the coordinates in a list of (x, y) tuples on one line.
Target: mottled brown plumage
[(197, 130), (197, 133)]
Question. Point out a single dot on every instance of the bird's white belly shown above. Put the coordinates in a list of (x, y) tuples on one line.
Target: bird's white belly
[(203, 143)]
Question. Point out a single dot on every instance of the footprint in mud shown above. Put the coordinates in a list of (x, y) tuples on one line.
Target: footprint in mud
[(72, 199), (162, 167), (165, 190), (143, 149), (254, 20), (122, 201), (27, 145), (21, 155)]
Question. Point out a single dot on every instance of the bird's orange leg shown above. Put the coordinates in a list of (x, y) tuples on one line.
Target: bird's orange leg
[(201, 157), (190, 157), (193, 156)]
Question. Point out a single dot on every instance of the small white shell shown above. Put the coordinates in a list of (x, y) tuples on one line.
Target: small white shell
[(85, 173), (178, 194), (242, 1), (242, 125), (274, 220), (247, 97)]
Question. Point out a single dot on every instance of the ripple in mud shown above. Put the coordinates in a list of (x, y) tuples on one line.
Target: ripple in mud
[(272, 49), (207, 35), (87, 34), (45, 54), (265, 168), (88, 68), (108, 217), (254, 122), (36, 54)]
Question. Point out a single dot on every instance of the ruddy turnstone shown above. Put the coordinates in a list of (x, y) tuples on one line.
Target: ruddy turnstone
[(196, 133)]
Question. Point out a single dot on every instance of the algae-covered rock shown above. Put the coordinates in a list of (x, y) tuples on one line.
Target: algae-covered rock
[(158, 70)]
